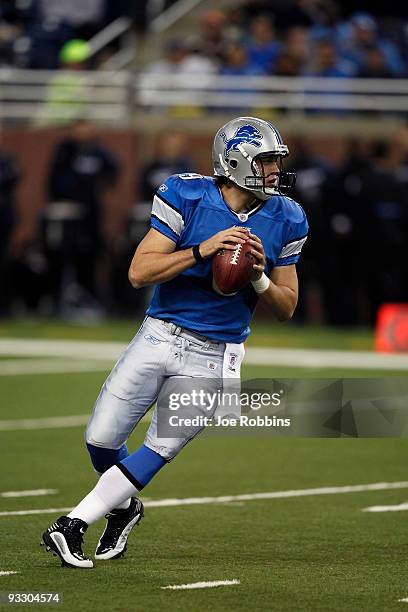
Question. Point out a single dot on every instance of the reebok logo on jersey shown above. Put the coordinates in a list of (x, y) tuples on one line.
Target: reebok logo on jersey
[(152, 339), (211, 365)]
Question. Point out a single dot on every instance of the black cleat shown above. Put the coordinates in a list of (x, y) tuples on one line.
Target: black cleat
[(120, 523), (64, 538)]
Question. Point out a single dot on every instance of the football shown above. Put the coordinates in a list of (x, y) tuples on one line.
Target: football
[(232, 269)]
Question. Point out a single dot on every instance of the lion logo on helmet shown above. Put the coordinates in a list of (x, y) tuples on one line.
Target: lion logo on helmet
[(244, 134)]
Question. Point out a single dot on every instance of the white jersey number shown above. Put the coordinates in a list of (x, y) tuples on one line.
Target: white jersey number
[(190, 175)]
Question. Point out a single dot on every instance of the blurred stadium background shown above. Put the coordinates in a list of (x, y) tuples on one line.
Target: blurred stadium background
[(99, 101)]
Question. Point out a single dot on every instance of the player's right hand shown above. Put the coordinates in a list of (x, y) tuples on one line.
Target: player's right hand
[(226, 239)]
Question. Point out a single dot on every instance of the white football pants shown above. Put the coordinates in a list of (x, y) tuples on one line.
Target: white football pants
[(160, 359)]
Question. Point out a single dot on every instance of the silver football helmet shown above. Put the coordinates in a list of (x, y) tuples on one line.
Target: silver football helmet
[(239, 144)]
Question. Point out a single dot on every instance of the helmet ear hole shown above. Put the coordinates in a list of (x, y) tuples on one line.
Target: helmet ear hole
[(233, 163)]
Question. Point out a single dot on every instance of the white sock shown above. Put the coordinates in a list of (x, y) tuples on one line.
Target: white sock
[(124, 504), (112, 490)]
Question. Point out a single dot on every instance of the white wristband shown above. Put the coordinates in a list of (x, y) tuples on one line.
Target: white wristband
[(262, 284)]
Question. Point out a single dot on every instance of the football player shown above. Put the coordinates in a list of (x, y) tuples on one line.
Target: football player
[(190, 332)]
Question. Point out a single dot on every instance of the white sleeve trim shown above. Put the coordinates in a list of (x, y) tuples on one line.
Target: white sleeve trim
[(168, 215), (292, 248)]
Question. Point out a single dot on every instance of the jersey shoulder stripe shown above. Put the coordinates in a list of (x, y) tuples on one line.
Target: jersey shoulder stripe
[(168, 215), (162, 227), (293, 247), (167, 202)]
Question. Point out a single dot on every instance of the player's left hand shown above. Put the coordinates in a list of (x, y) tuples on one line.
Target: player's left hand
[(259, 254)]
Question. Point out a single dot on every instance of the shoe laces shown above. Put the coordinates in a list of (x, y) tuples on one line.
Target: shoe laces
[(115, 525), (117, 521), (76, 537)]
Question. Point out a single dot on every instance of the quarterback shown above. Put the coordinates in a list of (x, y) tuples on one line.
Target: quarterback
[(191, 330)]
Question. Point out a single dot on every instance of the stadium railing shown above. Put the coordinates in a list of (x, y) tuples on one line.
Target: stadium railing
[(300, 93), (114, 96), (42, 97)]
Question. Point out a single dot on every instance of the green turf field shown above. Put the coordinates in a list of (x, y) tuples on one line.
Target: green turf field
[(262, 334), (314, 552)]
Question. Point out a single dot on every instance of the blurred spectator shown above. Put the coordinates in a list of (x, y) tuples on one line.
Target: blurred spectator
[(18, 12), (384, 199), (41, 45), (171, 158), (237, 62), (38, 38), (314, 175), (293, 54), (175, 52), (366, 221), (322, 13), (8, 34), (361, 33), (212, 34), (342, 240), (66, 96), (285, 13), (9, 177), (287, 65), (374, 65), (81, 169), (197, 63), (325, 61), (262, 46), (185, 61), (86, 18), (42, 27), (183, 58), (297, 44)]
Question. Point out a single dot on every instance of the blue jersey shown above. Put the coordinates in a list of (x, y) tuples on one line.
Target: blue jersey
[(188, 209)]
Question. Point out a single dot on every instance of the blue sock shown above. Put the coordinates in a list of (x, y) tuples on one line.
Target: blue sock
[(103, 458), (141, 466)]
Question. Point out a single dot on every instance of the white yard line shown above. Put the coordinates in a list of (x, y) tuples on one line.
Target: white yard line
[(192, 501), (305, 358), (16, 367), (313, 358), (61, 422), (7, 573), (78, 349), (43, 511), (404, 600), (394, 508), (46, 423), (33, 493), (201, 585)]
